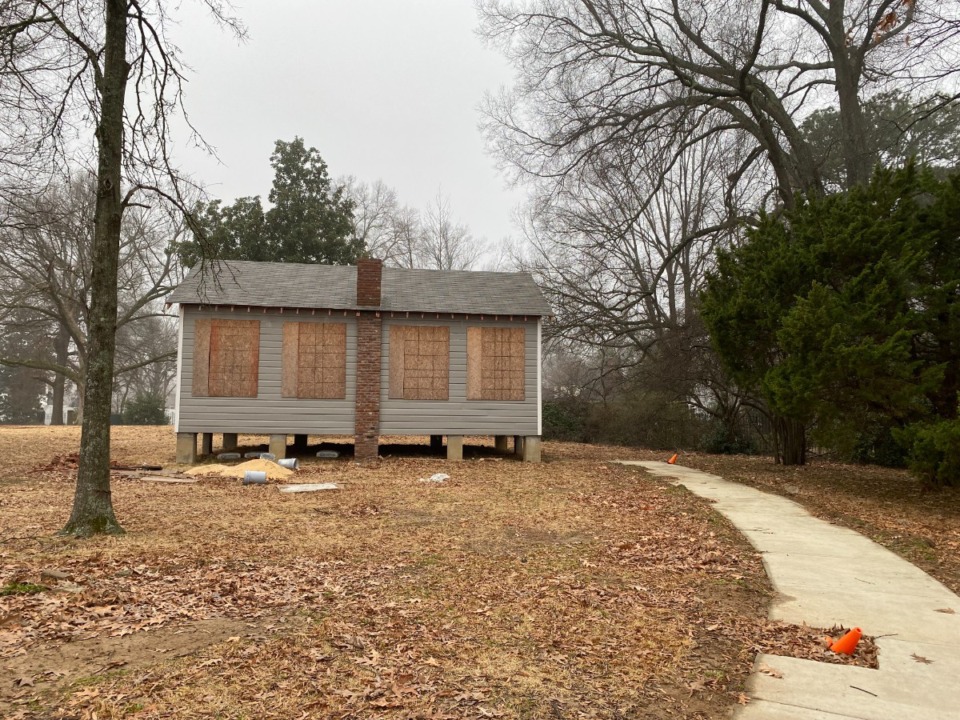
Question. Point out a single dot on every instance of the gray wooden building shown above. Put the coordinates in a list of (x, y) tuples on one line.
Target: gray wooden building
[(284, 349)]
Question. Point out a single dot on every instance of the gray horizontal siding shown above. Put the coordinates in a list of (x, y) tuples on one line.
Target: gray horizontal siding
[(459, 416), (268, 412)]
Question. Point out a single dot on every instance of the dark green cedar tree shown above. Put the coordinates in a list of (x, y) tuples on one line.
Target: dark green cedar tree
[(844, 312)]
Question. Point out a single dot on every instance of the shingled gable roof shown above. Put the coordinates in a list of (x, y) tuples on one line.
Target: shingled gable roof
[(334, 287)]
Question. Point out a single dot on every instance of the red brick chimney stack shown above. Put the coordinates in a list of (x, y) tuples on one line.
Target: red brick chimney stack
[(369, 273), (369, 332)]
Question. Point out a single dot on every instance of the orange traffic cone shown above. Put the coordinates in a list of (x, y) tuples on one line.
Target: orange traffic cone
[(673, 459), (848, 643)]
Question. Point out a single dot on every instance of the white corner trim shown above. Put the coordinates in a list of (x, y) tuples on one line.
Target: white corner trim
[(176, 402), (540, 377)]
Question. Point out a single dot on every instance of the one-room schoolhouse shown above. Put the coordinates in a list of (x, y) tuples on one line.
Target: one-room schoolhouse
[(284, 349)]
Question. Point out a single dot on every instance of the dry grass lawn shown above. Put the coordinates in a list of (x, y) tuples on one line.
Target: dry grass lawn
[(887, 505), (570, 589)]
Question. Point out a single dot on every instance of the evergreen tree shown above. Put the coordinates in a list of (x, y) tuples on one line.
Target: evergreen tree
[(845, 311), (145, 409), (310, 221)]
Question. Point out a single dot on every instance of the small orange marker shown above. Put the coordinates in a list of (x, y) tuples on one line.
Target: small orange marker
[(848, 643), (673, 460)]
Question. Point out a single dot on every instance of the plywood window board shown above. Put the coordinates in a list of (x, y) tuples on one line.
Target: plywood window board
[(226, 358), (419, 362), (496, 360), (314, 358)]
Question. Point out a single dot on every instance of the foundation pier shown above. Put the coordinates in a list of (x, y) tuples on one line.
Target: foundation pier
[(531, 449), (186, 448), (278, 446), (454, 447), (518, 445)]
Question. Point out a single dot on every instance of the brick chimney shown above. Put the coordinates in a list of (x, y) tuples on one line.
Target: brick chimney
[(369, 272), (369, 332)]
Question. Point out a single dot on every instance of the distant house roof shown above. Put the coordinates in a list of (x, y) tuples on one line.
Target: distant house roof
[(334, 287)]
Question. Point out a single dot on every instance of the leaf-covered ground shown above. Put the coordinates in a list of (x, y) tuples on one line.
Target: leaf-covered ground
[(887, 505), (571, 589)]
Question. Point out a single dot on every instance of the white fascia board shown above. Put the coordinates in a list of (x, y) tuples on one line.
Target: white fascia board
[(540, 377), (176, 404)]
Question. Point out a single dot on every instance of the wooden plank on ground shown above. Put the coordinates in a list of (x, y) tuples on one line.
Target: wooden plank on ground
[(309, 487), (167, 479)]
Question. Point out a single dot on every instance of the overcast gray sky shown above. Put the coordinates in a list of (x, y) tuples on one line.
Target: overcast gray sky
[(384, 89)]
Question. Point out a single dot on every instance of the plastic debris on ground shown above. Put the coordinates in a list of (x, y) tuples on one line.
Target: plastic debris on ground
[(436, 478), (255, 477)]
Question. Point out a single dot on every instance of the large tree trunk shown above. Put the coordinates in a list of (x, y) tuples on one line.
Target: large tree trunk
[(92, 503), (791, 441), (848, 69), (856, 156), (61, 346)]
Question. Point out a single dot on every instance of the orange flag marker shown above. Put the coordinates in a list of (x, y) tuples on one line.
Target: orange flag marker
[(848, 643)]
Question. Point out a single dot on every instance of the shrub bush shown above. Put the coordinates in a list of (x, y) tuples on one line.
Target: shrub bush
[(145, 409), (934, 451)]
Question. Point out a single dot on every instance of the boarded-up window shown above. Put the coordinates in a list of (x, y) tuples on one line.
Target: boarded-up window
[(495, 363), (419, 362), (226, 358), (314, 360)]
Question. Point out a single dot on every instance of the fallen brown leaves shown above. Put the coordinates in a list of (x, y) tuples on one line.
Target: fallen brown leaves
[(574, 588), (887, 505)]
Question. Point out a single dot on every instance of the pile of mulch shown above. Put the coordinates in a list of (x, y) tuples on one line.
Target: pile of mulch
[(272, 469)]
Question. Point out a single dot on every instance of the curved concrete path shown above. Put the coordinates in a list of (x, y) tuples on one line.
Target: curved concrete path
[(827, 575)]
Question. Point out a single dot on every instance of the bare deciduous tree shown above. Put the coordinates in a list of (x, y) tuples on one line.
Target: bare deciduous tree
[(69, 68), (387, 229), (45, 261), (404, 237), (622, 258), (444, 243), (622, 254), (598, 75)]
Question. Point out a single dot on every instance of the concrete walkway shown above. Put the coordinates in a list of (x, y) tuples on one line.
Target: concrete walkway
[(827, 575)]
